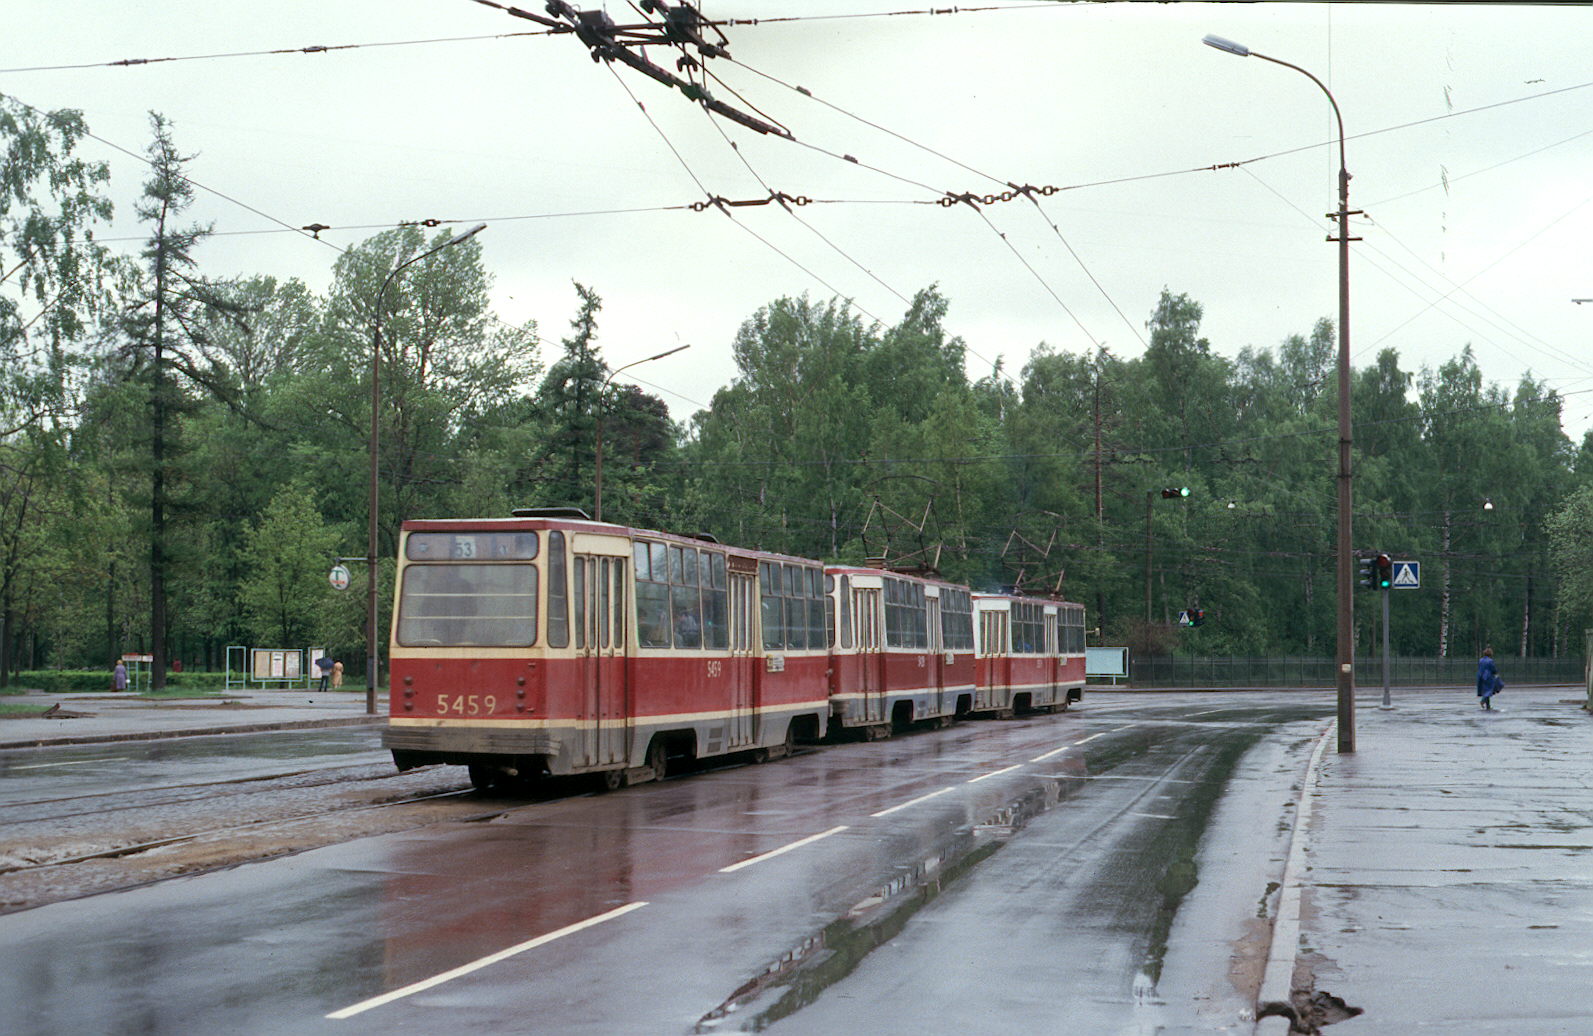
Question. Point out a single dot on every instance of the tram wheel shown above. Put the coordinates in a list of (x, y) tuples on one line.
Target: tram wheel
[(489, 780), (612, 780), (658, 759)]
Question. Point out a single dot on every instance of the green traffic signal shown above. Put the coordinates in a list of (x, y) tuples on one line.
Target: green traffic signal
[(1385, 571)]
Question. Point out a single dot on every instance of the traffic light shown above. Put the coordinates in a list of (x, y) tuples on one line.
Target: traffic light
[(1197, 616), (1377, 572), (1384, 571), (1174, 494)]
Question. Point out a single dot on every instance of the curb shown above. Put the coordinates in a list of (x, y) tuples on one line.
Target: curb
[(155, 735), (1277, 982)]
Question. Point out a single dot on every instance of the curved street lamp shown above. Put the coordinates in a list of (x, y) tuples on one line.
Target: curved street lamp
[(1346, 630), (602, 392), (371, 655)]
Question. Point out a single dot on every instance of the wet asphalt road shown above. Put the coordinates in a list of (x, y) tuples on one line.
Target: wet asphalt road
[(1039, 875), (37, 774)]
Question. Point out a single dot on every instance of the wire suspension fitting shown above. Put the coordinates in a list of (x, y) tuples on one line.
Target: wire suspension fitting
[(722, 203)]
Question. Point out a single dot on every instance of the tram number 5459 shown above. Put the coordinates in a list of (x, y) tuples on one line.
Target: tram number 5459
[(467, 704)]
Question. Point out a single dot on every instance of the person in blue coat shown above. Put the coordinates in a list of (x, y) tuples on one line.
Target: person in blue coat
[(1487, 678)]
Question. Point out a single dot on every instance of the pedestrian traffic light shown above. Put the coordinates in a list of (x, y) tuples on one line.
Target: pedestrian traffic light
[(1174, 494), (1368, 568), (1384, 571)]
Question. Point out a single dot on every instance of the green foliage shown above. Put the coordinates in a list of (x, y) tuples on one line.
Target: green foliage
[(193, 486), (286, 555)]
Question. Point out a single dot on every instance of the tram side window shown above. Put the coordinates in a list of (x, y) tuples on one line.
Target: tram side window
[(829, 611), (816, 601), (772, 606), (652, 595), (558, 592), (956, 620), (906, 625), (796, 619), (1073, 631), (715, 607), (846, 612), (686, 597)]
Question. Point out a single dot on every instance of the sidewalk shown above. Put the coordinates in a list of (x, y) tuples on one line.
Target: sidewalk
[(109, 716), (1448, 879)]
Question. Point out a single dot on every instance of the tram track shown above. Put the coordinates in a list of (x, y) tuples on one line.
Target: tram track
[(197, 789), (161, 843)]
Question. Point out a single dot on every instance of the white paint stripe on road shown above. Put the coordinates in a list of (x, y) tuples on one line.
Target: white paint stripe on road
[(994, 773), (912, 802), (1074, 744), (477, 965), (799, 843), (75, 762)]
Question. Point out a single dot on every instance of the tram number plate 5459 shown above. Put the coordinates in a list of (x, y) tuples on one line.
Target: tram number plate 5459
[(467, 704)]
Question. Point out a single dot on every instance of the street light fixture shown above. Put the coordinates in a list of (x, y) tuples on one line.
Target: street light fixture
[(602, 392), (1345, 563), (371, 656)]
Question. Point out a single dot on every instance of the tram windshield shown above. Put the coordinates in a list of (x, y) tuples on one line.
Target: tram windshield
[(465, 605)]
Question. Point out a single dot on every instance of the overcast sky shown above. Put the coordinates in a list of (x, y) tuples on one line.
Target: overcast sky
[(1470, 137)]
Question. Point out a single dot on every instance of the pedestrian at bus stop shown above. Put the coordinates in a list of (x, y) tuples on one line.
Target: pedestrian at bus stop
[(119, 676), (337, 675), (324, 664), (1489, 682)]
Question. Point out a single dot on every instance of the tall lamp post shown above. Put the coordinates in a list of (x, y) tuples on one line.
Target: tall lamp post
[(1346, 630), (597, 463), (376, 399)]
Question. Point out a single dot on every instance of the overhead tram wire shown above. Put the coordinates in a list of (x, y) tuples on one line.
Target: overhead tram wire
[(190, 180), (605, 46), (1520, 334), (792, 212), (703, 187), (312, 49), (1029, 194)]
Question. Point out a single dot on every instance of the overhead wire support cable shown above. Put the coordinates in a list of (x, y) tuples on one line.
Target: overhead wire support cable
[(725, 208), (275, 52)]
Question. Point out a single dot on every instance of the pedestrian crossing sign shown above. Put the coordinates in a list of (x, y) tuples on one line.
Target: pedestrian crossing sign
[(1407, 575)]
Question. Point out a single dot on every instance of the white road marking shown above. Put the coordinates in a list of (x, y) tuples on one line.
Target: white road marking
[(477, 965), (994, 773), (799, 843), (912, 802), (77, 762), (1075, 744)]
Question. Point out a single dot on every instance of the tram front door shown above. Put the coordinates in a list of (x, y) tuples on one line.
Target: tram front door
[(599, 593), (740, 667), (870, 655)]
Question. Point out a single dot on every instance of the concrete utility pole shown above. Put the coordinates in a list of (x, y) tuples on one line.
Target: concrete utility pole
[(1346, 627)]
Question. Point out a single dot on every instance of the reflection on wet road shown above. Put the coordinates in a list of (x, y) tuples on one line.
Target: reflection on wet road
[(993, 876)]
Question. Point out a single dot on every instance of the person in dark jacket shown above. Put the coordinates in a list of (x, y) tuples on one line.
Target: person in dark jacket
[(1487, 678), (324, 664)]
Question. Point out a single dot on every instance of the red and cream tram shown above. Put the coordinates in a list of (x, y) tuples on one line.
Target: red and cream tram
[(1031, 654), (550, 644), (902, 651)]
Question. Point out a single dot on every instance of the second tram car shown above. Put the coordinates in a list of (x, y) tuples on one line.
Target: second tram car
[(549, 644), (902, 650)]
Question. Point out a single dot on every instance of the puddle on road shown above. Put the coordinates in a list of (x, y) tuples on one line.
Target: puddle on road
[(820, 961), (803, 974)]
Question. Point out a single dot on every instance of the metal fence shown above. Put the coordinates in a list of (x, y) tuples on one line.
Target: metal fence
[(1188, 671)]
